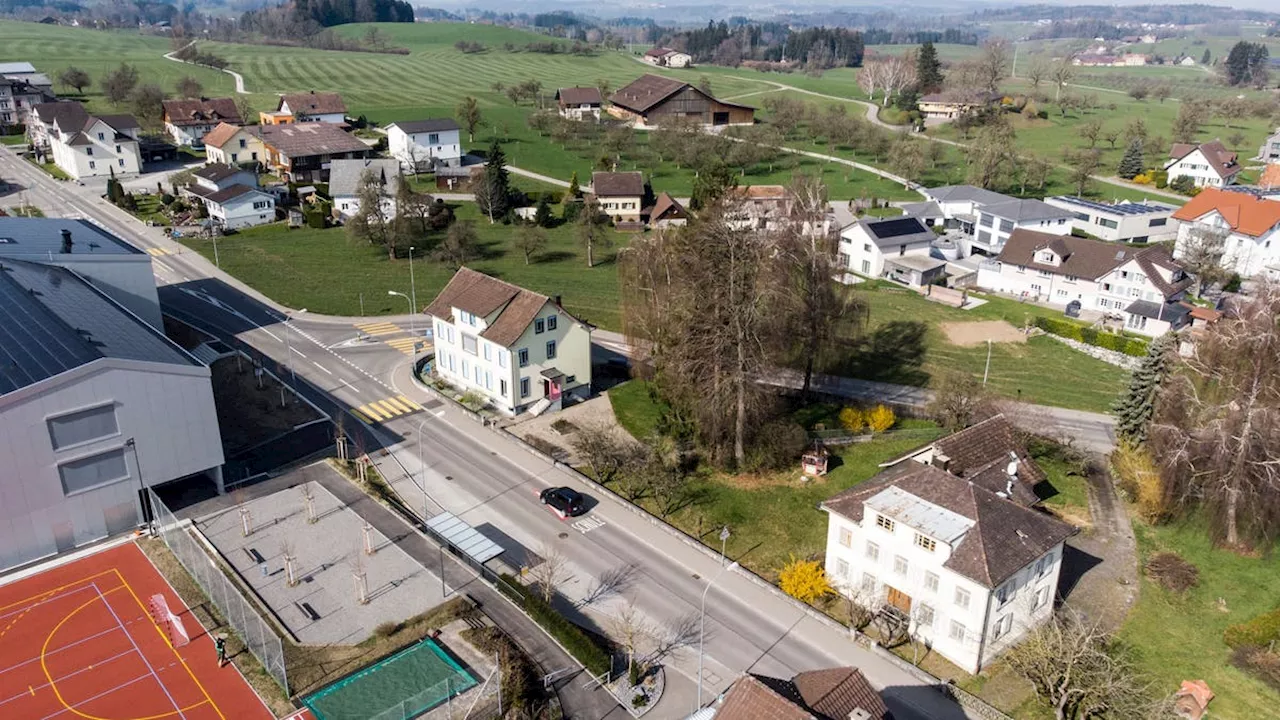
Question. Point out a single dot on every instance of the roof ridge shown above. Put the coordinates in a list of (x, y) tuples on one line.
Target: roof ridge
[(499, 280)]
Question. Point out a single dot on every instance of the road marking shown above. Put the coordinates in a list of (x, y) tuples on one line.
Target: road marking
[(397, 405), (387, 408), (379, 328), (159, 251), (404, 345), (294, 349), (327, 370), (587, 524)]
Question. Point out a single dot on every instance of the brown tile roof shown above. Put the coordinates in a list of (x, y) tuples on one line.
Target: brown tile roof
[(313, 103), (1207, 314), (646, 92), (216, 171), (201, 112), (1081, 257), (1246, 214), (665, 206), (830, 694), (752, 699), (1223, 160), (305, 139), (617, 184), (579, 96), (219, 136), (980, 453), (658, 52), (230, 193), (1005, 536), (1157, 257), (483, 295), (1270, 177)]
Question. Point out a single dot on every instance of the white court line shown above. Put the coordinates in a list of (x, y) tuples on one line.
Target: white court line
[(313, 362), (117, 688), (49, 599), (55, 652), (95, 666), (144, 657)]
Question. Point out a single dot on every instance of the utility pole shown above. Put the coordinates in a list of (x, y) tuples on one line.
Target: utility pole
[(987, 371), (413, 293)]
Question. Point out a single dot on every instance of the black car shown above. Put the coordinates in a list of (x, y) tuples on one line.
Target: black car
[(565, 501)]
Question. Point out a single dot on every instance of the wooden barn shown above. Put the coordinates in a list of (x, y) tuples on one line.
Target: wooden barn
[(653, 98)]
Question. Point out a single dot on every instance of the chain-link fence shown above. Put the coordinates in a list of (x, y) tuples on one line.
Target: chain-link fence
[(256, 633), (424, 700)]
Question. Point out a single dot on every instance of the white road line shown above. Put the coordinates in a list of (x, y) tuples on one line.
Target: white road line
[(164, 267), (313, 362), (296, 350)]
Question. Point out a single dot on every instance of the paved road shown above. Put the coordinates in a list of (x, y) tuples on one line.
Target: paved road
[(238, 77), (491, 481)]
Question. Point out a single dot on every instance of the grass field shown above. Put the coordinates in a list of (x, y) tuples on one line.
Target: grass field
[(1178, 637), (325, 272)]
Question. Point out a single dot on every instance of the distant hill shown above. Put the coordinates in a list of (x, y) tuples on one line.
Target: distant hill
[(306, 17)]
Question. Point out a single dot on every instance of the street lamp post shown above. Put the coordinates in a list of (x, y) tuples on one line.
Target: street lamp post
[(413, 290), (142, 486), (987, 370), (422, 466), (724, 542), (702, 625), (288, 346), (410, 301)]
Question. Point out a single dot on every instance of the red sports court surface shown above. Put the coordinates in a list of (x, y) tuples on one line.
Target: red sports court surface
[(78, 641)]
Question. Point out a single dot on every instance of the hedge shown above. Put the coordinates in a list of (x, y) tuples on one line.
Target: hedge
[(578, 643), (1090, 336), (1261, 631)]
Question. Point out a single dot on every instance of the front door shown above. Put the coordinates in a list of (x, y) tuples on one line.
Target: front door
[(898, 599), (720, 118)]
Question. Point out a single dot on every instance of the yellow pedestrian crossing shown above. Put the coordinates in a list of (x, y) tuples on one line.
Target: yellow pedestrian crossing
[(404, 345), (159, 251), (387, 408), (379, 328)]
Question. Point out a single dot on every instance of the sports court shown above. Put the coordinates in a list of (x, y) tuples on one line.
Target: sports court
[(102, 638)]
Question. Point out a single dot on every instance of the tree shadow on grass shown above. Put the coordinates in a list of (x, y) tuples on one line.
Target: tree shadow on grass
[(554, 256), (894, 352)]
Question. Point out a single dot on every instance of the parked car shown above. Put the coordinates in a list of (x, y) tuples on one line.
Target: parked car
[(566, 501)]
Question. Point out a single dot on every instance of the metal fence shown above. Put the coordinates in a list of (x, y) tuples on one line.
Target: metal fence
[(423, 700), (256, 633)]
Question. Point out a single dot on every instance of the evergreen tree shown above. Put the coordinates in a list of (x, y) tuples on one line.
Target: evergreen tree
[(496, 195), (1135, 408), (1132, 163), (1204, 59), (928, 70), (542, 214), (575, 190)]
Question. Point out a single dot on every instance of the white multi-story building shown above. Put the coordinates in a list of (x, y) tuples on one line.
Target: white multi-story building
[(84, 145), (423, 145), (1143, 286), (970, 570), (345, 177), (1126, 221), (871, 246), (985, 219), (17, 97), (232, 197), (1270, 150), (1207, 164), (518, 349), (1249, 228)]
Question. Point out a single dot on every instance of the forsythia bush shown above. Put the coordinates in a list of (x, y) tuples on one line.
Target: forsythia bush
[(804, 580), (852, 419), (880, 418), (1142, 179), (1139, 476)]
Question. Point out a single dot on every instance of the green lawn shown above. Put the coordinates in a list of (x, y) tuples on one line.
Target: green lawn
[(13, 139), (150, 209), (636, 411), (905, 345), (53, 170), (1180, 637), (325, 272)]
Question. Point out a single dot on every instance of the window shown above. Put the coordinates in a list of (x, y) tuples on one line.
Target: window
[(866, 247), (1106, 223), (121, 162), (1136, 322), (452, 364), (866, 267), (551, 349), (1061, 292), (1006, 226), (433, 139), (570, 379), (842, 568), (884, 523), (502, 358), (984, 237), (94, 471), (241, 143), (259, 205), (962, 598), (469, 344), (524, 387), (927, 543), (466, 369), (117, 149), (488, 379), (88, 151), (987, 221), (539, 326), (1002, 627), (82, 426), (92, 165), (931, 581), (502, 387), (102, 136), (487, 351), (924, 616), (846, 537), (1043, 565), (551, 323), (1022, 268), (523, 356), (873, 552), (1157, 222), (899, 564), (1005, 593), (1044, 273), (1041, 597), (868, 583), (956, 632), (1072, 278)]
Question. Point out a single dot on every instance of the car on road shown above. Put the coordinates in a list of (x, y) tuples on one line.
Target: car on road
[(566, 501)]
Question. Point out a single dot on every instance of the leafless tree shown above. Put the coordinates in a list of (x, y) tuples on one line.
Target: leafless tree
[(1216, 433), (1203, 252), (870, 78), (630, 626), (993, 64), (605, 451), (991, 155), (287, 552), (1062, 74), (897, 73), (1038, 72), (550, 572), (371, 222), (1091, 131), (1083, 166), (1033, 171), (529, 239), (959, 400)]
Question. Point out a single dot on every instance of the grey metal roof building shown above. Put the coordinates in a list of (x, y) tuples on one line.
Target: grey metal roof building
[(965, 193), (41, 237)]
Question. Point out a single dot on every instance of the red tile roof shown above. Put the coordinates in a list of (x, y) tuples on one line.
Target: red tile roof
[(1270, 176), (203, 111), (1245, 213), (483, 295)]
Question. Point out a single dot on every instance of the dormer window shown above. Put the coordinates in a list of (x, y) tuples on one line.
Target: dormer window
[(884, 523), (927, 543)]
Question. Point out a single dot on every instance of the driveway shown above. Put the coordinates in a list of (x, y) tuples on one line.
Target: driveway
[(1100, 566)]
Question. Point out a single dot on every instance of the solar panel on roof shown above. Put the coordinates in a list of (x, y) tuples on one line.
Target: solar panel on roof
[(1124, 208), (896, 227)]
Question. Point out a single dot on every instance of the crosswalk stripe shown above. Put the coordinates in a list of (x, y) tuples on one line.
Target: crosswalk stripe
[(373, 411), (389, 409), (393, 402), (382, 328), (409, 402), (363, 416), (159, 251)]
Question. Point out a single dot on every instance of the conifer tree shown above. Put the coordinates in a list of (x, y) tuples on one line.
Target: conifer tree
[(928, 70), (1132, 162), (1135, 408)]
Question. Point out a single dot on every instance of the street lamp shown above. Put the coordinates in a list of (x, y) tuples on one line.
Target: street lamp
[(142, 487), (702, 625), (288, 345), (408, 300), (724, 542), (413, 290), (987, 370), (422, 466)]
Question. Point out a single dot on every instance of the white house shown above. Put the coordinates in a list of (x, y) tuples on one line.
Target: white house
[(188, 121), (666, 57), (972, 572), (422, 145), (620, 194), (1249, 228), (345, 177), (1142, 286), (518, 349), (1270, 150), (17, 97), (240, 206), (1126, 221), (867, 244), (84, 145), (325, 107), (233, 145), (1207, 164), (985, 218), (577, 103)]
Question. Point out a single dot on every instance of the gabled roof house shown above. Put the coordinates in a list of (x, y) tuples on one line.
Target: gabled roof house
[(652, 99)]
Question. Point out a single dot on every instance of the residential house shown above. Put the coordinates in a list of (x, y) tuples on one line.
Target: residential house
[(346, 176), (987, 453), (425, 145), (1093, 60), (951, 105), (303, 152), (1248, 225), (1207, 164), (518, 349), (234, 145), (188, 121), (1142, 286), (998, 220), (958, 205), (308, 107), (970, 571), (666, 57), (577, 103), (1134, 60), (831, 694), (1143, 222), (232, 197), (667, 212), (620, 194), (27, 73), (1187, 61), (885, 247), (927, 212), (762, 207), (1270, 150), (92, 392), (17, 97), (653, 98), (84, 145)]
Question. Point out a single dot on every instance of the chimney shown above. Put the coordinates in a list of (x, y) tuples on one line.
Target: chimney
[(66, 242), (859, 714), (557, 301), (1012, 468), (941, 461)]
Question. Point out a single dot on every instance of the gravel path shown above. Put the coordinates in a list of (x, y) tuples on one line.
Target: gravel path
[(1100, 568)]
